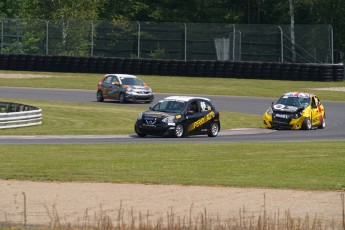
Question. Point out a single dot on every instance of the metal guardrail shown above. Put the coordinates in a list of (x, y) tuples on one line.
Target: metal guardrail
[(13, 115)]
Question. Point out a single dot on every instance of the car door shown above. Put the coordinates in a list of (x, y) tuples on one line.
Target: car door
[(316, 111), (114, 88), (207, 115), (193, 116), (106, 86)]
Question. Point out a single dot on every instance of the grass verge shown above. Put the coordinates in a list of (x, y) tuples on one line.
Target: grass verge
[(178, 85), (273, 165)]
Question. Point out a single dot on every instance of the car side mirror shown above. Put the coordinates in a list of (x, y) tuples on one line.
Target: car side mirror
[(190, 112)]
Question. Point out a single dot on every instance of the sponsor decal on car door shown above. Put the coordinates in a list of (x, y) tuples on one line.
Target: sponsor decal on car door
[(201, 123)]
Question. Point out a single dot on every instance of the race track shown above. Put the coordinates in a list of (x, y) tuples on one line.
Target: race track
[(335, 126)]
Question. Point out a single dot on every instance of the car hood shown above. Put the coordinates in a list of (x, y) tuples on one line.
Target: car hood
[(140, 87), (157, 114), (286, 108)]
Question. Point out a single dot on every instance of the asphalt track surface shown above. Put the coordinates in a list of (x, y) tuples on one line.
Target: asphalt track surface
[(335, 123)]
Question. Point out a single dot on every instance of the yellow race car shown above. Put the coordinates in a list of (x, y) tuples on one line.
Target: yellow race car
[(295, 110)]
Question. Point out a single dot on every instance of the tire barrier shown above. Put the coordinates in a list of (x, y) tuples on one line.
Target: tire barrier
[(257, 70), (219, 69), (14, 115), (338, 73), (266, 70), (192, 68)]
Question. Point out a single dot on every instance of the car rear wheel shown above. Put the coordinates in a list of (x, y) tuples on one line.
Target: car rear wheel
[(122, 98), (99, 96), (137, 131), (323, 123), (179, 131), (307, 124), (214, 130)]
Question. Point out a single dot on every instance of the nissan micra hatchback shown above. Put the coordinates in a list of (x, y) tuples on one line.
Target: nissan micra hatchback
[(179, 116), (296, 110), (124, 88)]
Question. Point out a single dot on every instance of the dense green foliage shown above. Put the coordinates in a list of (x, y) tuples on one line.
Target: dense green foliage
[(201, 11)]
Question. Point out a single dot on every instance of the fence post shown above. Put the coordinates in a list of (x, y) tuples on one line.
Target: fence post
[(233, 43), (47, 36), (92, 31), (2, 35), (281, 45), (185, 41), (331, 41), (139, 32)]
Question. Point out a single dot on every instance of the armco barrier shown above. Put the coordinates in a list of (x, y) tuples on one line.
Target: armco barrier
[(13, 115), (192, 68)]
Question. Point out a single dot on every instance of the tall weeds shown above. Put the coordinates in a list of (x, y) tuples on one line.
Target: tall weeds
[(128, 220)]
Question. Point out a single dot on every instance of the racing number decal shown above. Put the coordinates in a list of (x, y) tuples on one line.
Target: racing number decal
[(201, 121), (204, 106)]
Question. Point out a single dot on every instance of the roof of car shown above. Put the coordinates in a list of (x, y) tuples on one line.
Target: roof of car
[(122, 75), (297, 94), (185, 98)]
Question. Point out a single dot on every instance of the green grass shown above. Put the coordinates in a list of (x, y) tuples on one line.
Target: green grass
[(182, 85), (273, 165), (103, 118)]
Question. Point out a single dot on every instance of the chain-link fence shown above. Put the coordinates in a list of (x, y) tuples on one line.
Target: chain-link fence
[(181, 41)]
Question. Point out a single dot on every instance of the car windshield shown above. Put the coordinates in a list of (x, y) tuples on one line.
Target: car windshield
[(294, 101), (131, 81), (169, 106)]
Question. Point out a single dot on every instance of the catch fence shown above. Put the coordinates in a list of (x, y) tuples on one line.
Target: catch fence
[(178, 41)]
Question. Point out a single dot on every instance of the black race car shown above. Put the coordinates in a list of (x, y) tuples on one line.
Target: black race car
[(179, 116)]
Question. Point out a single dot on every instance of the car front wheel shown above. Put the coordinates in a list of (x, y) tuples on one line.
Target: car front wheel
[(307, 124), (137, 131), (179, 131), (122, 98), (99, 96), (214, 130)]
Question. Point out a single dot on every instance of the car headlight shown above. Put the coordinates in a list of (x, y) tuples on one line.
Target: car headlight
[(297, 115), (140, 116), (169, 119), (269, 111)]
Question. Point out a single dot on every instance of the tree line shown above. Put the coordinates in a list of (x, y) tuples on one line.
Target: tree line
[(278, 12)]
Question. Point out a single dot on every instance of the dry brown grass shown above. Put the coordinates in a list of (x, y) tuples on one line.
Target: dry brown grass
[(128, 220)]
